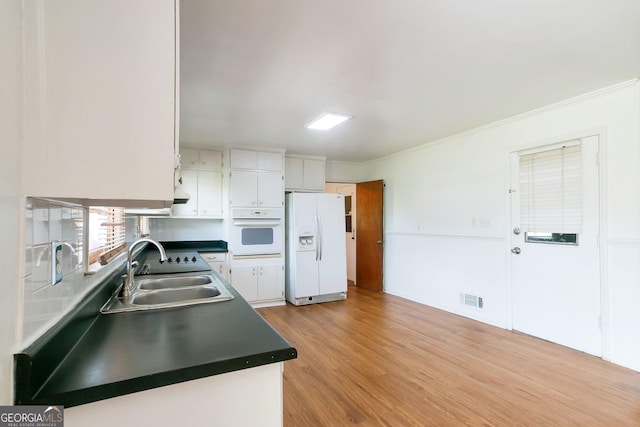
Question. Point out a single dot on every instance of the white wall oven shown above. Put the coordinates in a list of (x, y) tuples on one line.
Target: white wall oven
[(257, 231)]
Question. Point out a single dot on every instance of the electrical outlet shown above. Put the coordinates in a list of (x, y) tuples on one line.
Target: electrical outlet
[(56, 262)]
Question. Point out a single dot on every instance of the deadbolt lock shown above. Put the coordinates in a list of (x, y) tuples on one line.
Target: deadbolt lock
[(516, 231)]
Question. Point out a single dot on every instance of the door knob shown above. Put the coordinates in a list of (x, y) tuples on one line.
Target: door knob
[(379, 242), (516, 250)]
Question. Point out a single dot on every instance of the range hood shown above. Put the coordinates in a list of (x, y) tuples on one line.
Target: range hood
[(148, 212), (180, 197)]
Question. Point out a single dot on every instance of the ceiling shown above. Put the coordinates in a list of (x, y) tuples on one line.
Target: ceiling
[(254, 72)]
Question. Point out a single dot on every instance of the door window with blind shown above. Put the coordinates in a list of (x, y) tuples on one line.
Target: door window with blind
[(106, 234), (551, 195)]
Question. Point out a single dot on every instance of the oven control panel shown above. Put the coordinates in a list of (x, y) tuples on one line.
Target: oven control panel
[(260, 213)]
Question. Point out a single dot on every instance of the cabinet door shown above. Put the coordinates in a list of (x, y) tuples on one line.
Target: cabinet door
[(108, 78), (269, 161), (209, 193), (270, 282), (244, 188), (190, 185), (210, 160), (189, 158), (293, 173), (245, 281), (270, 191), (222, 269), (244, 159), (314, 174)]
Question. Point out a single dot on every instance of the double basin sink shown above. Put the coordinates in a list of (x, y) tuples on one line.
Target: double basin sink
[(168, 291)]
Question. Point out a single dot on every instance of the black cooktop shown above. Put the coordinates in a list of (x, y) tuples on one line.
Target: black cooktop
[(177, 262)]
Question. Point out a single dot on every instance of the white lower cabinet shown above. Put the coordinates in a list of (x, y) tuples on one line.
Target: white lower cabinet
[(218, 262), (259, 282), (258, 388)]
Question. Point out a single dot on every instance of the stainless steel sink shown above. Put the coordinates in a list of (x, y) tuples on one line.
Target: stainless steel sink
[(175, 295), (171, 282), (168, 291)]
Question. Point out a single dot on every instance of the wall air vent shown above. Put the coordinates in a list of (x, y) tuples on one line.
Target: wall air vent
[(472, 300)]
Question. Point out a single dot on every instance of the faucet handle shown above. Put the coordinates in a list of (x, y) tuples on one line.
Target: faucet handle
[(134, 264)]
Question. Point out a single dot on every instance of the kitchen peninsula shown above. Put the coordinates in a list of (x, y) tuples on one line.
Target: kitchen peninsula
[(158, 365)]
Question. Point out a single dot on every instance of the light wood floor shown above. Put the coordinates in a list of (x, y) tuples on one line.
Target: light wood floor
[(380, 360)]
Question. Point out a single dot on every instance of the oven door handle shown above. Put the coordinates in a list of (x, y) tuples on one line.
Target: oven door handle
[(258, 223)]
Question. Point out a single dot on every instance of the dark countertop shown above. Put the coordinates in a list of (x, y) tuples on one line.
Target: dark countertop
[(122, 353), (198, 245)]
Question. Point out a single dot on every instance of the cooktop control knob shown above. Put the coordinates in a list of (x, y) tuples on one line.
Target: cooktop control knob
[(193, 259), (177, 259), (186, 259), (169, 259)]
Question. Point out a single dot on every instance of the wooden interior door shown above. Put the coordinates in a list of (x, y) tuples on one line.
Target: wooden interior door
[(369, 233)]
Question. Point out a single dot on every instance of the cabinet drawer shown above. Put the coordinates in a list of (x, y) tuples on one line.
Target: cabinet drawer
[(214, 256)]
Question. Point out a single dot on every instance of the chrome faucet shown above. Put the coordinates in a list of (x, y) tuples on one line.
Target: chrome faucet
[(129, 285)]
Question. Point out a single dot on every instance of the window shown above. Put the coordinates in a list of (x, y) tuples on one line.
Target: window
[(143, 226), (551, 194), (106, 234), (347, 213), (556, 238)]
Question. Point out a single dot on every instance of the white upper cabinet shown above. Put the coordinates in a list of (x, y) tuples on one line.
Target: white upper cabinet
[(189, 158), (201, 172), (269, 161), (256, 160), (210, 160), (101, 104), (304, 173), (256, 189), (256, 179)]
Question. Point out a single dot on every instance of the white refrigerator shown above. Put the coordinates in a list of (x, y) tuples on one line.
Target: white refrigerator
[(316, 259)]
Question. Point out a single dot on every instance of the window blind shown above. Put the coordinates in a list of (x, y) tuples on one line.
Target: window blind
[(107, 233), (551, 190)]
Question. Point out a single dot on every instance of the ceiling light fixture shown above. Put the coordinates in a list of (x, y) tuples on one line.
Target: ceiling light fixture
[(327, 120)]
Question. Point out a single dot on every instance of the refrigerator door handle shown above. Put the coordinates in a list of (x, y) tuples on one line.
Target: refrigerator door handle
[(317, 237), (320, 236)]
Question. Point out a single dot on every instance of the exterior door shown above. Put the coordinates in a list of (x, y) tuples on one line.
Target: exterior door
[(555, 281), (369, 235)]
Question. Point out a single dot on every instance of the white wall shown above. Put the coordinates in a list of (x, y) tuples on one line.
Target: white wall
[(345, 171), (10, 200), (446, 204)]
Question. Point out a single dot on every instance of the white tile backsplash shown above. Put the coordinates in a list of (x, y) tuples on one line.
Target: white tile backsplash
[(43, 303), (47, 221), (55, 223), (182, 229), (41, 267), (40, 222)]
